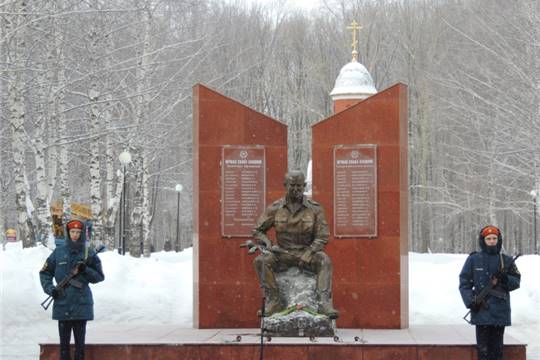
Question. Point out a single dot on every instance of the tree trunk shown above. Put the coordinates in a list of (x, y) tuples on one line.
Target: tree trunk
[(95, 177), (113, 184), (17, 50)]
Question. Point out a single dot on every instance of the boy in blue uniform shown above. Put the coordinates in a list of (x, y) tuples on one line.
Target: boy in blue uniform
[(73, 305), (489, 267)]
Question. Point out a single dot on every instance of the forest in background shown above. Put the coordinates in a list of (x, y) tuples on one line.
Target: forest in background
[(82, 81)]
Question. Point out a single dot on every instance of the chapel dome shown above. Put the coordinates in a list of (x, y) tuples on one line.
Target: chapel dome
[(353, 82)]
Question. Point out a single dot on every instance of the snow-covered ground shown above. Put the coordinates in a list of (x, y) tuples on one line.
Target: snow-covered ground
[(159, 290)]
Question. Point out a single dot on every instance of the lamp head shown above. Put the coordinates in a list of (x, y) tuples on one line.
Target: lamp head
[(125, 158)]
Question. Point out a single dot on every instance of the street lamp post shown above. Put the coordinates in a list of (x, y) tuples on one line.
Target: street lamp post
[(178, 189), (125, 159), (534, 195)]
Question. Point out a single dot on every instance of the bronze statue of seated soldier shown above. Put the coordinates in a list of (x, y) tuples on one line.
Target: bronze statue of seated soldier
[(301, 234)]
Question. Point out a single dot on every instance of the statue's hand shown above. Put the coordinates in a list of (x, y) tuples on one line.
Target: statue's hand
[(265, 241), (306, 257)]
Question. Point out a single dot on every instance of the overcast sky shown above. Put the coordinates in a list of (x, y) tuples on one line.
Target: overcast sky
[(297, 4), (302, 4)]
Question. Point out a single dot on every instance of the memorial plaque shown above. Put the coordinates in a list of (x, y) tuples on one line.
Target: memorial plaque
[(355, 191), (243, 188)]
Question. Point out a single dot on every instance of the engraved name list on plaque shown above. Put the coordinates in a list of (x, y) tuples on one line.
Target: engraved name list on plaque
[(243, 188), (355, 191)]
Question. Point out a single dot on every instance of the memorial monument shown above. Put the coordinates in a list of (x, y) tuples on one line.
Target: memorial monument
[(359, 178), (301, 234)]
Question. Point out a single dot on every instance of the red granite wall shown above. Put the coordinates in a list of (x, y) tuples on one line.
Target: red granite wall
[(342, 104), (226, 293), (370, 274), (279, 352)]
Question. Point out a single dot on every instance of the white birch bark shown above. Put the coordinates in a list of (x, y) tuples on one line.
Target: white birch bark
[(60, 108), (2, 220), (17, 49), (140, 217), (535, 21), (113, 184), (45, 76), (141, 213), (145, 228), (135, 217), (95, 178), (97, 50), (3, 103), (43, 223), (55, 66), (63, 157)]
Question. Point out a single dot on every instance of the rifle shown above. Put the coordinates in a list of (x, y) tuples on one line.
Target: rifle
[(490, 289), (68, 279), (253, 247)]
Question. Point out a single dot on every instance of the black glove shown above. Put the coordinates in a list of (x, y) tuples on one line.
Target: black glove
[(90, 261), (81, 265), (56, 293), (502, 277), (476, 305)]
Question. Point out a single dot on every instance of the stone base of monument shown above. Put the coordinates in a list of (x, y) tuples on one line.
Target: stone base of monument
[(297, 289), (167, 342), (299, 323)]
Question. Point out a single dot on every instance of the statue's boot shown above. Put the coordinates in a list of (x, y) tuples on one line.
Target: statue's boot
[(273, 305), (325, 305)]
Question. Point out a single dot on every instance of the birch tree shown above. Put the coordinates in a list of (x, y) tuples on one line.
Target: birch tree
[(16, 26), (42, 139)]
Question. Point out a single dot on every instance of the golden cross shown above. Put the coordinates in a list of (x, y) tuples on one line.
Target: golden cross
[(354, 26)]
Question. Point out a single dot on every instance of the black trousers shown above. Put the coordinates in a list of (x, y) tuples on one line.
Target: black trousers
[(79, 332), (489, 342)]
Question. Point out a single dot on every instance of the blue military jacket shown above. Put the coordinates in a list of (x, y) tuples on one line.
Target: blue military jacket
[(476, 274), (76, 303)]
